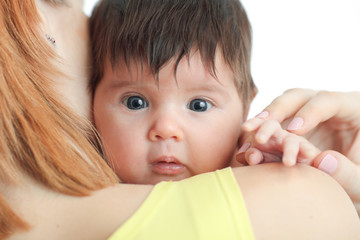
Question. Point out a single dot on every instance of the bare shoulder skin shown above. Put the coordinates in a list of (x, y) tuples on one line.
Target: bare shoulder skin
[(57, 216), (296, 203), (283, 203)]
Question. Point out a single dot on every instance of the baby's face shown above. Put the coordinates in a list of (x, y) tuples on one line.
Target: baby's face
[(170, 131)]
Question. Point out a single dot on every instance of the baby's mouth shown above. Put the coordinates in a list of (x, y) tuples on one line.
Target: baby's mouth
[(166, 165)]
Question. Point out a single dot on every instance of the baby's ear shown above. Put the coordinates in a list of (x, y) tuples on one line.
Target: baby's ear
[(255, 92), (238, 160), (243, 138), (250, 100)]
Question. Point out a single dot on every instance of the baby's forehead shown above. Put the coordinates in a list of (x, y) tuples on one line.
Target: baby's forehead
[(190, 74), (194, 62)]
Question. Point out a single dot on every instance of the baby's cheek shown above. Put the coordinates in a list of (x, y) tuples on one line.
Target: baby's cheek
[(220, 155)]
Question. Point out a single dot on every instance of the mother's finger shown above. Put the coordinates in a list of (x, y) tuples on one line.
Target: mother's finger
[(287, 104), (343, 170), (322, 107)]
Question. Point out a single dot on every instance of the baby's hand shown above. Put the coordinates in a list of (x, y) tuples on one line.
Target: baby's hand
[(266, 141)]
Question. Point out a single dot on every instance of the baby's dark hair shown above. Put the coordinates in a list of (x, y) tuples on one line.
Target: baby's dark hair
[(156, 31)]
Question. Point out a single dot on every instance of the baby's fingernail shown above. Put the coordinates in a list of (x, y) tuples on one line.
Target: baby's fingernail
[(252, 159), (244, 147), (295, 124), (328, 164), (262, 115)]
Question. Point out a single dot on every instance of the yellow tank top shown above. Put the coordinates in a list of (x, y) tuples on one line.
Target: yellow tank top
[(206, 206)]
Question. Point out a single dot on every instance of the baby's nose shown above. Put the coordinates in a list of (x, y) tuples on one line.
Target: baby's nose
[(166, 127)]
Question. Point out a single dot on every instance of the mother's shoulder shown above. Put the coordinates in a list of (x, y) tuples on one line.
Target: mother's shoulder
[(278, 172), (284, 200), (274, 181)]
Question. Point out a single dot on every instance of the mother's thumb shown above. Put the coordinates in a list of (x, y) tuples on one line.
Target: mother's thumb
[(342, 169)]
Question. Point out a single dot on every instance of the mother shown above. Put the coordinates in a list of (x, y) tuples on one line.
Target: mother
[(48, 165)]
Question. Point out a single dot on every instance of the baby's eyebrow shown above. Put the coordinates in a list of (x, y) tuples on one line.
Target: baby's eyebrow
[(214, 88), (120, 83)]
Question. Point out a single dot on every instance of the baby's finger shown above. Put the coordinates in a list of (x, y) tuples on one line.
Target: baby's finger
[(270, 128), (291, 147), (253, 156), (252, 124)]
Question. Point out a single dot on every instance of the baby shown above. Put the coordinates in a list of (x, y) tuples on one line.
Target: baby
[(171, 85)]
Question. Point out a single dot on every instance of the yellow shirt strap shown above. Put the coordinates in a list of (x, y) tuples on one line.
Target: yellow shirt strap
[(206, 206)]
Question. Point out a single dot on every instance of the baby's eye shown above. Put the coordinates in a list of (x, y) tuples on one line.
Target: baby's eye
[(135, 103), (199, 105)]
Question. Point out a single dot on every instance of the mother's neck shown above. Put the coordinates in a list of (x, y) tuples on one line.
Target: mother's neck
[(68, 25)]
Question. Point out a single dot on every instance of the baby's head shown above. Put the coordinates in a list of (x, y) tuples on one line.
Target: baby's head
[(171, 84)]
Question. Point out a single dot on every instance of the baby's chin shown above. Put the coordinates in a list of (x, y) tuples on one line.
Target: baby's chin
[(156, 178), (163, 178)]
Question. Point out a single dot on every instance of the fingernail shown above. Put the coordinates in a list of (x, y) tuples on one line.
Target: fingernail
[(262, 115), (295, 124), (328, 164), (244, 147)]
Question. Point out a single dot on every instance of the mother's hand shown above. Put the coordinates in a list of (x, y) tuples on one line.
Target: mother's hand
[(345, 171), (330, 120)]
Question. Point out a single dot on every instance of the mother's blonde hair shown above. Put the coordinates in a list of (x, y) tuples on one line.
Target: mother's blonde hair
[(39, 136)]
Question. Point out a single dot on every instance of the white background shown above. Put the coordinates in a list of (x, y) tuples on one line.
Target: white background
[(301, 43)]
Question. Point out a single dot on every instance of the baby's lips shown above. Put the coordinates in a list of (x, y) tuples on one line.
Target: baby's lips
[(167, 165)]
